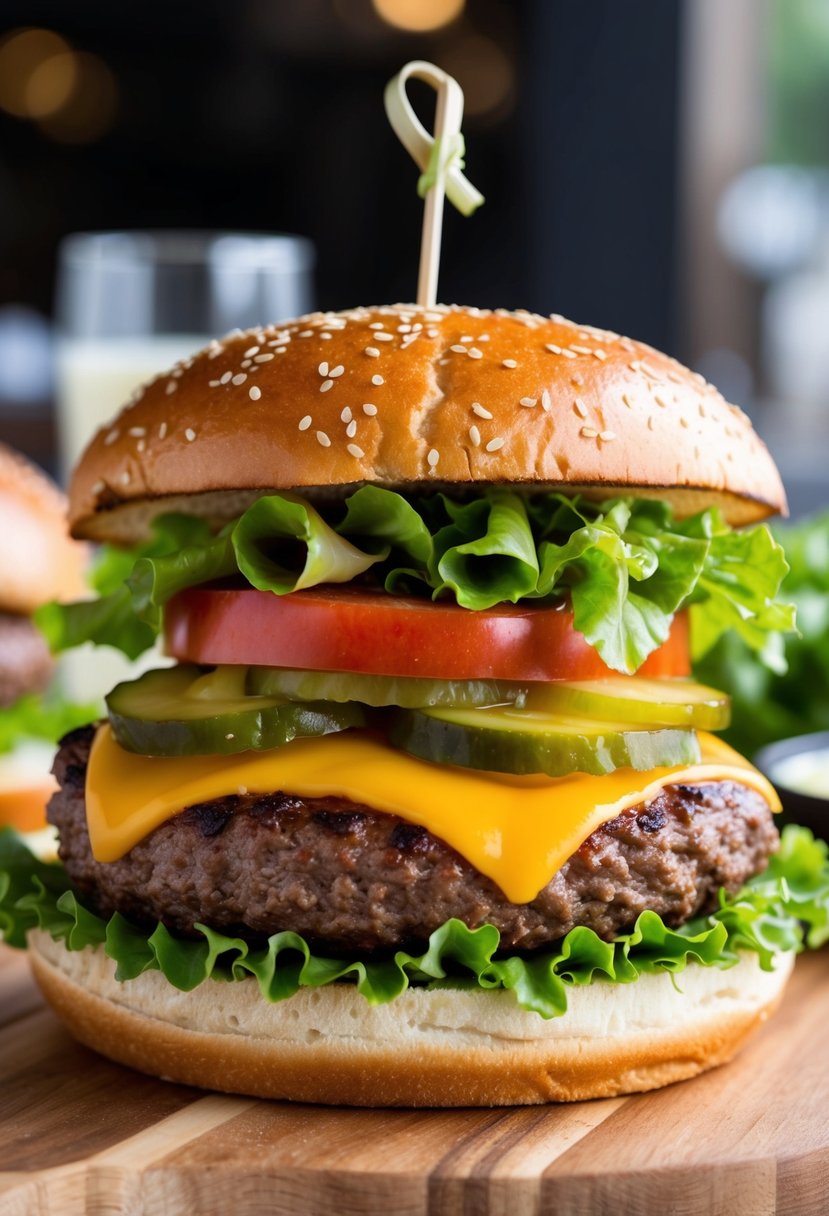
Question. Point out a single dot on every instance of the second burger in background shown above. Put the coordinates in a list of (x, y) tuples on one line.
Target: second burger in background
[(38, 563)]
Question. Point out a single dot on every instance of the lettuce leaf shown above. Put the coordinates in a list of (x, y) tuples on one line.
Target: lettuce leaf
[(323, 556), (790, 698), (785, 908), (46, 716), (626, 564)]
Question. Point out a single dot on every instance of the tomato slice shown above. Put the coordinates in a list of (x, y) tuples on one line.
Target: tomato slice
[(378, 634)]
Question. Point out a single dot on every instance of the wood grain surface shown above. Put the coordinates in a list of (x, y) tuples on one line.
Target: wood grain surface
[(79, 1135)]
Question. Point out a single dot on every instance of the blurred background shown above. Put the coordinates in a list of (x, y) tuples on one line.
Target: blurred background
[(659, 167)]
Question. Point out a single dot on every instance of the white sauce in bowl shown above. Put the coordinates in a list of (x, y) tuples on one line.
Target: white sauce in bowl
[(805, 773)]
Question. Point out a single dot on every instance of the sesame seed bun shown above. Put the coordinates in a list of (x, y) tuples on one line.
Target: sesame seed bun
[(38, 561), (419, 398), (444, 1047)]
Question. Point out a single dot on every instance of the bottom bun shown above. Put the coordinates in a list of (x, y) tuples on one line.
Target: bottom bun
[(444, 1047)]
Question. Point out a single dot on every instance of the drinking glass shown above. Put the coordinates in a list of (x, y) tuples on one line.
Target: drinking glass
[(129, 304)]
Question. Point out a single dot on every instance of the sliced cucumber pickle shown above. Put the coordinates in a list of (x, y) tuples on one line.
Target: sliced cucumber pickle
[(525, 741), (666, 702), (409, 692), (185, 711)]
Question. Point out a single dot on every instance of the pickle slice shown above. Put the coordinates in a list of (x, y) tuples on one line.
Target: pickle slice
[(185, 711), (409, 692), (668, 702), (525, 741)]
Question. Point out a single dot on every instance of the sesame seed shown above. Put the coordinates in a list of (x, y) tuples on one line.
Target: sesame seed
[(588, 432), (598, 353), (172, 385), (305, 422), (355, 451), (474, 353), (305, 333), (660, 401), (552, 348), (326, 385), (240, 378), (138, 431), (323, 370), (627, 401), (112, 436), (684, 422), (458, 348), (214, 383), (246, 363), (376, 325), (483, 337), (701, 409), (405, 329), (377, 380), (230, 735), (508, 363), (495, 444), (351, 429), (581, 350), (336, 371), (323, 439), (580, 407), (346, 414), (98, 487), (634, 365), (467, 338), (546, 403), (141, 446), (189, 434), (369, 409), (475, 436), (226, 378), (266, 358), (251, 351), (254, 392), (162, 430), (433, 457), (372, 352), (327, 336), (529, 401), (381, 337), (607, 436), (280, 350), (650, 422), (478, 409)]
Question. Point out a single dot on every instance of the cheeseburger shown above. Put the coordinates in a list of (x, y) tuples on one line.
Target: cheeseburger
[(428, 810), (38, 563)]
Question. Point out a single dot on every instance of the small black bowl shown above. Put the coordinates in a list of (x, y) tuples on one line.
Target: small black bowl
[(798, 807)]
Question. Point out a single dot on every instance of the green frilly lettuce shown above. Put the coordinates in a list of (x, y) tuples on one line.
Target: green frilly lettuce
[(783, 909), (627, 565), (46, 716)]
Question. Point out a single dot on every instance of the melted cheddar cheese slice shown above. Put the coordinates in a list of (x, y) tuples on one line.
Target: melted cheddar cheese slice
[(517, 830)]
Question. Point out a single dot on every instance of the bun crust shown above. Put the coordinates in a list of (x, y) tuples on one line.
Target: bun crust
[(37, 559), (419, 398), (440, 1048)]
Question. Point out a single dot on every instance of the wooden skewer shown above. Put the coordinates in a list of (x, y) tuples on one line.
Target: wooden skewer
[(440, 158)]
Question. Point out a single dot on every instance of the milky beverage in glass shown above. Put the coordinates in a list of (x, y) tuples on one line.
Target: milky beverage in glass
[(129, 305)]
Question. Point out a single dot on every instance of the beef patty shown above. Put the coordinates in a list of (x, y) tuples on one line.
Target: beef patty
[(25, 662), (352, 879)]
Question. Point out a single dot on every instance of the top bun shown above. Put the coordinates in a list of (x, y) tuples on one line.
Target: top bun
[(411, 397), (38, 561)]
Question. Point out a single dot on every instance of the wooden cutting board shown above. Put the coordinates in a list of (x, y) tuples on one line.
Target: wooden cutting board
[(79, 1135)]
